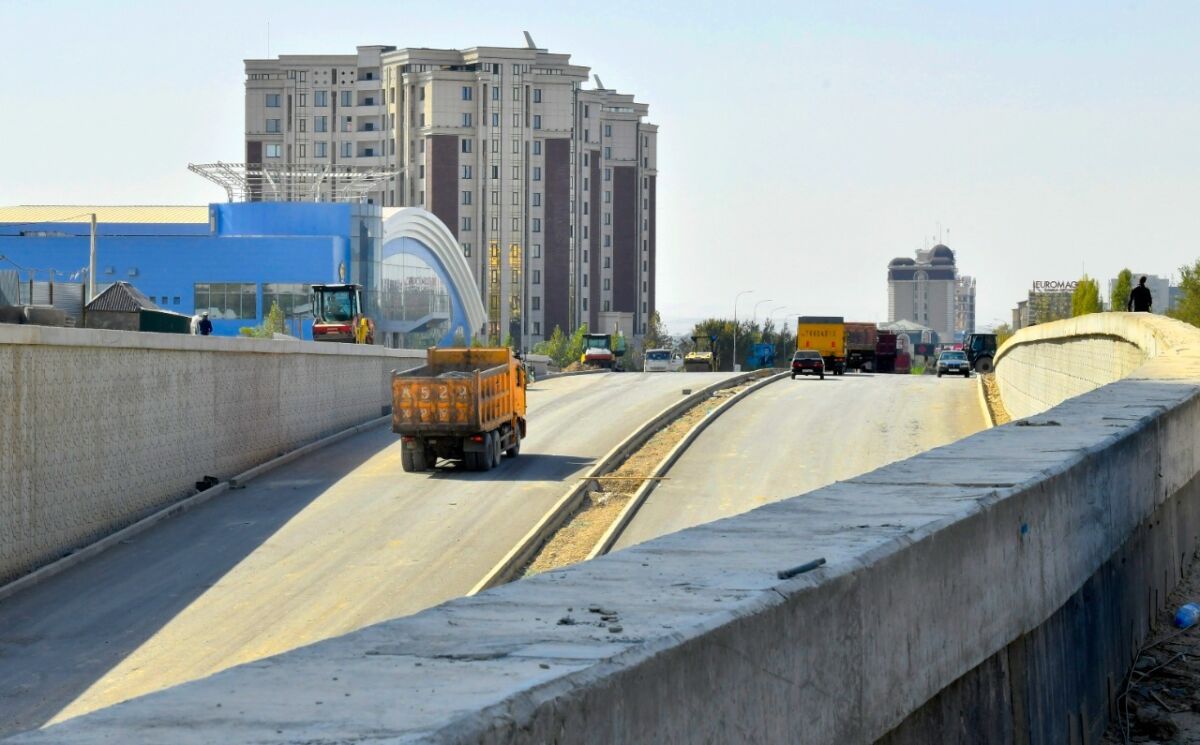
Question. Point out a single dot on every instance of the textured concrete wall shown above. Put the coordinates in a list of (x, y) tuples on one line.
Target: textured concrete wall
[(962, 575), (99, 427), (1042, 366)]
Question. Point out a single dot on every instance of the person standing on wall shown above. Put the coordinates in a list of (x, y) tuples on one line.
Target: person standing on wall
[(205, 324), (1140, 299)]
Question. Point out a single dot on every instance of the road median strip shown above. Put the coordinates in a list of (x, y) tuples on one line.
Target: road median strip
[(620, 465)]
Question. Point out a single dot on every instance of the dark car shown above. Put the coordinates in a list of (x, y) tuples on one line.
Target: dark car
[(808, 361), (953, 362)]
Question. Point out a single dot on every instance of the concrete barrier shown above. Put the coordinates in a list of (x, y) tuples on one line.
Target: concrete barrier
[(99, 428), (992, 590)]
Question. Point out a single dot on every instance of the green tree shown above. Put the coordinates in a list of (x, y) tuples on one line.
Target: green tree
[(271, 325), (1086, 297), (508, 341), (1188, 309), (1120, 293), (575, 345), (1002, 332), (555, 347)]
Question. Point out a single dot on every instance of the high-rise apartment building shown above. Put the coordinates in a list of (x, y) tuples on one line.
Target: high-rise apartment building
[(1160, 292), (548, 187), (924, 290), (964, 307)]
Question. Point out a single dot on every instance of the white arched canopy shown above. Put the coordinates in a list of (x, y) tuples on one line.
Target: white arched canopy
[(423, 227)]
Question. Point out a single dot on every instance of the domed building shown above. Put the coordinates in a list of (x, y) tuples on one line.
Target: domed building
[(926, 290)]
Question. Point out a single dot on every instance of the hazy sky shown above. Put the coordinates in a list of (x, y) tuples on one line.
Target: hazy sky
[(802, 144)]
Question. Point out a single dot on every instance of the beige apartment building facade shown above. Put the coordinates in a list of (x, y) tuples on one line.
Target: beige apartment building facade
[(924, 290), (549, 187)]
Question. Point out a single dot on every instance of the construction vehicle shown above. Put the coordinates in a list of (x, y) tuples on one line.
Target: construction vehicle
[(339, 315), (885, 352), (826, 334), (980, 349), (598, 351), (861, 339), (703, 357), (464, 404)]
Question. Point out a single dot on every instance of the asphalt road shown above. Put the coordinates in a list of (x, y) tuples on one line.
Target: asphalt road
[(794, 436), (319, 547)]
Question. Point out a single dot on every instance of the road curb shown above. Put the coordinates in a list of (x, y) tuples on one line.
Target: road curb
[(981, 394), (566, 505), (552, 376), (176, 508), (605, 544)]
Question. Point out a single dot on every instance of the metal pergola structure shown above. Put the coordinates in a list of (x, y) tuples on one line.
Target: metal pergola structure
[(270, 182)]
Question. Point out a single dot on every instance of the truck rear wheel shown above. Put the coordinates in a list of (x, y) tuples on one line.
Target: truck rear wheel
[(515, 450), (413, 461), (473, 461), (489, 451)]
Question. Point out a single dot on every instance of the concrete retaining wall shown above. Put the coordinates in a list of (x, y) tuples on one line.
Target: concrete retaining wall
[(986, 591), (99, 427)]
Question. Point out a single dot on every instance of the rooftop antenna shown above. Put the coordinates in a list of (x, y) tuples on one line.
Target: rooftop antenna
[(529, 40), (599, 84)]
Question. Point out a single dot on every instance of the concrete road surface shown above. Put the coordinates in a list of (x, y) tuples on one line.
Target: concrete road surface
[(794, 436), (322, 546)]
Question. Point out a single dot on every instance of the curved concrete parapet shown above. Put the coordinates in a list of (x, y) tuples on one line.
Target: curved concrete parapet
[(1042, 366), (991, 591)]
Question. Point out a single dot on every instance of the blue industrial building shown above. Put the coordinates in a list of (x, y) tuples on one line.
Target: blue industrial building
[(236, 259)]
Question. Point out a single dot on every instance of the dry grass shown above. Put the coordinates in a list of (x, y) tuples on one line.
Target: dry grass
[(991, 391), (600, 509)]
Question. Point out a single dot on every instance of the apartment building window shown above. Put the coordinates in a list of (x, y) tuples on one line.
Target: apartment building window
[(347, 124), (607, 197), (320, 98), (535, 303), (585, 208), (587, 137), (226, 300), (495, 119), (421, 93), (537, 199), (585, 160), (537, 173), (347, 98), (272, 100), (421, 120), (516, 88), (516, 224), (537, 328), (537, 121), (585, 232), (607, 241), (537, 147), (516, 143), (606, 306), (495, 225), (466, 145), (466, 93), (466, 119), (392, 147), (516, 198), (516, 120), (495, 197), (586, 111), (466, 172), (466, 197), (608, 262), (516, 173), (321, 149), (496, 146), (495, 172), (320, 124), (466, 222), (608, 130), (302, 100), (347, 149), (608, 153), (608, 218), (421, 171), (466, 249), (585, 284), (608, 174), (273, 126), (273, 151), (537, 276), (537, 95), (303, 124), (302, 150), (495, 93), (537, 224), (536, 250), (585, 183)]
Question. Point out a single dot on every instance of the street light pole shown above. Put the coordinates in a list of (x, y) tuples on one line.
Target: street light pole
[(754, 316), (735, 326), (91, 294)]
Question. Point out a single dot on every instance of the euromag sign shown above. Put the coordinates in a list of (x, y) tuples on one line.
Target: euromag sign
[(1055, 285)]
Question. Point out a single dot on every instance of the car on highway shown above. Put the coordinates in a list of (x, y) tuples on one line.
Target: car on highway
[(953, 362), (807, 362), (658, 360)]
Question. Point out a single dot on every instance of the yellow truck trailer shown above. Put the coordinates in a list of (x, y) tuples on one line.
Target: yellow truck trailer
[(464, 404), (826, 334)]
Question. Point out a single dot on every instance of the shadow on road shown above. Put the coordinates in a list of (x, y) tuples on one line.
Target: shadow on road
[(60, 637), (525, 467)]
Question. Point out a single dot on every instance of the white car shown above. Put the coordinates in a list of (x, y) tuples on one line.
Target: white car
[(953, 362), (658, 360)]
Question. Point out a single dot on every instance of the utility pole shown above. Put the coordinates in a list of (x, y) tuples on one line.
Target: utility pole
[(91, 294)]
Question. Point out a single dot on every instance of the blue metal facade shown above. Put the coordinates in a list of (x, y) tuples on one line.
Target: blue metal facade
[(254, 242)]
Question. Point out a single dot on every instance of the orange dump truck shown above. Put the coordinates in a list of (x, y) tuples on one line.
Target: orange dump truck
[(464, 404)]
